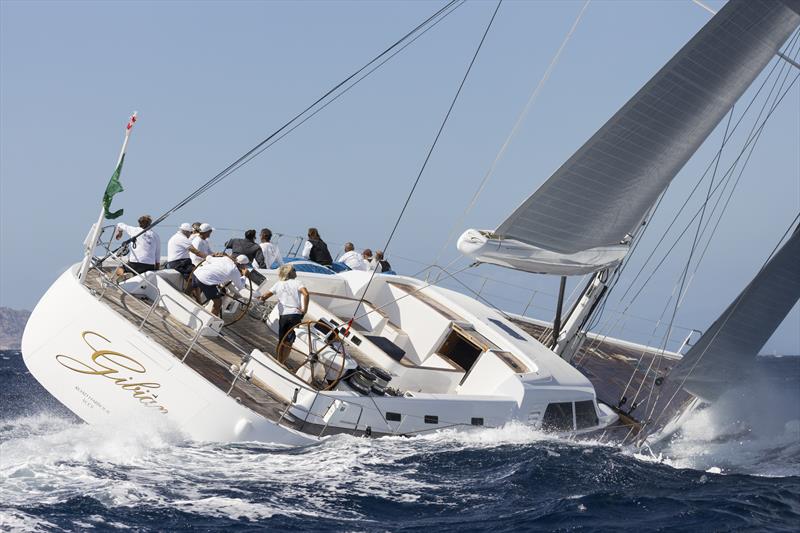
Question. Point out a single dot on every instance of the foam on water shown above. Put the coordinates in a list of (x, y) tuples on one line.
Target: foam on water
[(753, 429), (56, 472)]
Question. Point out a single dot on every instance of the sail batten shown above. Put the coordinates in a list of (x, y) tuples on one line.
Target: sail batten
[(601, 194)]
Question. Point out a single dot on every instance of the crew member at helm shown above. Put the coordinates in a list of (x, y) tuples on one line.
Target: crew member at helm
[(292, 305), (145, 249), (216, 271)]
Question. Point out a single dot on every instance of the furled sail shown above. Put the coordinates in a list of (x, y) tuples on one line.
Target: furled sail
[(595, 200), (722, 356)]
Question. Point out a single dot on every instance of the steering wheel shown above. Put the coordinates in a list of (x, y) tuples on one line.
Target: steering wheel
[(325, 352), (230, 298)]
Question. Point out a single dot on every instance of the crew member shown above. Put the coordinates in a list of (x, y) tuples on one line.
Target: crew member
[(316, 250), (219, 270), (179, 247), (382, 265), (270, 251), (367, 259), (145, 249), (248, 247), (351, 258), (201, 243), (292, 305)]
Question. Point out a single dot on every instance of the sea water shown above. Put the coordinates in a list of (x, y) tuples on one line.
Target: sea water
[(735, 466)]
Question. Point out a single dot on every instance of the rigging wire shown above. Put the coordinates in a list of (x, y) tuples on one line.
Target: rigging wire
[(714, 162), (752, 141), (682, 292), (520, 119), (442, 12), (791, 44), (656, 361), (430, 151), (728, 317)]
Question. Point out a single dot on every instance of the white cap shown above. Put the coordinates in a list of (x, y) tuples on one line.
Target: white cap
[(186, 227), (242, 259), (205, 226)]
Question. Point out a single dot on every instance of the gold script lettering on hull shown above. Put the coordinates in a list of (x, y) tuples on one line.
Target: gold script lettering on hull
[(114, 365)]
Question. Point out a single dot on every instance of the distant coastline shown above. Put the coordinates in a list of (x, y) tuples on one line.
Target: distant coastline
[(12, 324)]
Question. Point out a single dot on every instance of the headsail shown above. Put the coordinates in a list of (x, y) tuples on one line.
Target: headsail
[(724, 353), (602, 193)]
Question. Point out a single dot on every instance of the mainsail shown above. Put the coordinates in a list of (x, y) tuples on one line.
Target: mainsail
[(599, 197), (724, 353)]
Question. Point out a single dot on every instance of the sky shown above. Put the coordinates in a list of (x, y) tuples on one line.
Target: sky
[(211, 79)]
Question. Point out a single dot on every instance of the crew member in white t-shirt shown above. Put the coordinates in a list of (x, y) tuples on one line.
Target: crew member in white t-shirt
[(201, 243), (218, 271), (145, 249), (272, 253), (292, 305), (179, 247), (351, 258)]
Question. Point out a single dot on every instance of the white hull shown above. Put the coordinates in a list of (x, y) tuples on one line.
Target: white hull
[(104, 368)]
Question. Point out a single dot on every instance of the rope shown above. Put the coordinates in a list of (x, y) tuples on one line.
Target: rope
[(430, 150), (517, 124)]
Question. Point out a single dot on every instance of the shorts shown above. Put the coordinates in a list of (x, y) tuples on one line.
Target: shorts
[(184, 266), (140, 268), (285, 325), (211, 292)]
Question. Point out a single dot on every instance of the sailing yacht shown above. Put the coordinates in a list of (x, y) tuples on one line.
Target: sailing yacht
[(387, 354)]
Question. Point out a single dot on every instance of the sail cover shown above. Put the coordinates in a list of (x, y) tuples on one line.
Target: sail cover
[(603, 191), (724, 353)]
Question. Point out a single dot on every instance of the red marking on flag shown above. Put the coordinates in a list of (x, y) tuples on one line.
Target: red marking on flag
[(131, 122)]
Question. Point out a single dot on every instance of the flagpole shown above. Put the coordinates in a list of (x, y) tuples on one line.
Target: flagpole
[(94, 234)]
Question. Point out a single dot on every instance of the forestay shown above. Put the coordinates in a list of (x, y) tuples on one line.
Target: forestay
[(602, 193), (725, 352)]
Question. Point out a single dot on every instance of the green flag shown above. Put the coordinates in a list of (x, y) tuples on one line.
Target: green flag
[(113, 187)]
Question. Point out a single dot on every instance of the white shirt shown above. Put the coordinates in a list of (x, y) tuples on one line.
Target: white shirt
[(202, 245), (306, 253), (289, 297), (178, 247), (271, 254), (354, 260), (219, 270), (147, 247)]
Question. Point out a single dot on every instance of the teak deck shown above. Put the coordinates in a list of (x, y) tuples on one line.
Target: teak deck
[(211, 357), (608, 365)]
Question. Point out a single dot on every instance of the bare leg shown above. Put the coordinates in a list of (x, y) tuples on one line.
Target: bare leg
[(217, 308)]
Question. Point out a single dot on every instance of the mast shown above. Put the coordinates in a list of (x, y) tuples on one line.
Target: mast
[(94, 233), (557, 319)]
